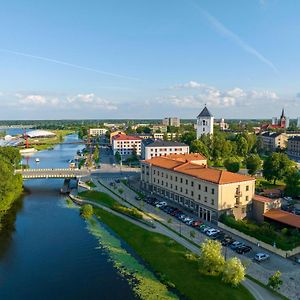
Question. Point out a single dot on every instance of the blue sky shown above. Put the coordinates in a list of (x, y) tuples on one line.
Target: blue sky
[(149, 59)]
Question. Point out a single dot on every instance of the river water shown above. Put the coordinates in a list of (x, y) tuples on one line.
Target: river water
[(46, 249)]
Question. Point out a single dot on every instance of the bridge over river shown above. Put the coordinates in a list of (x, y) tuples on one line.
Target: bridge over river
[(66, 173)]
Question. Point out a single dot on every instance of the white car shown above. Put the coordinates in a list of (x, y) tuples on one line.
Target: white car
[(206, 229), (261, 257), (161, 204), (212, 231), (187, 219)]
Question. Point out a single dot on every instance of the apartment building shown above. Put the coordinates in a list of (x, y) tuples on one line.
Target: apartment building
[(188, 181), (293, 147), (115, 133), (152, 148), (171, 121), (274, 140), (97, 131), (126, 145), (169, 135)]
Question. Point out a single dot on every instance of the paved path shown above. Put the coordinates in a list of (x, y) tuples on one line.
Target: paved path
[(257, 291)]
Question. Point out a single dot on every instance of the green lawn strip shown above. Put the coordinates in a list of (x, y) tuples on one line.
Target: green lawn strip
[(91, 184), (150, 216), (168, 259), (99, 197), (276, 293)]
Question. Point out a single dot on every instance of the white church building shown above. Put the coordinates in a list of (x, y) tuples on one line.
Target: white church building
[(205, 123)]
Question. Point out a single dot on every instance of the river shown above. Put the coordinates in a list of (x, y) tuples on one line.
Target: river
[(47, 250)]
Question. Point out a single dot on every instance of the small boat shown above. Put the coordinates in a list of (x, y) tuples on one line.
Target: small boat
[(37, 160)]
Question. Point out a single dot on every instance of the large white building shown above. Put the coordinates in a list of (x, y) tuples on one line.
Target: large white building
[(126, 145), (97, 131), (205, 123), (171, 121), (152, 148)]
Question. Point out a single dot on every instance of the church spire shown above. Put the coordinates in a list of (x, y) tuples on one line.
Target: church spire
[(282, 113)]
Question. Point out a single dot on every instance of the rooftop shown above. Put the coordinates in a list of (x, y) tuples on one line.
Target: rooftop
[(262, 199), (283, 217), (294, 139), (271, 134), (160, 143), (194, 164), (205, 113), (124, 137)]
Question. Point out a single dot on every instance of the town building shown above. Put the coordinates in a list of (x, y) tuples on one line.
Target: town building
[(98, 131), (186, 180), (167, 135), (271, 141), (171, 121), (152, 148), (282, 123), (223, 125), (159, 128), (205, 123), (293, 147), (126, 145), (113, 134), (261, 205)]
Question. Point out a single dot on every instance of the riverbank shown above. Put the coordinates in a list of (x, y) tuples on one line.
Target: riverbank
[(180, 270)]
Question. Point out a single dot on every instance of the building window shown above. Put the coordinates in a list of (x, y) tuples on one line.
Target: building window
[(192, 183), (186, 191), (199, 187), (199, 197), (192, 193), (186, 182), (247, 198), (158, 173), (205, 189), (247, 187), (212, 202), (175, 187), (181, 190), (213, 191), (162, 174), (167, 176), (171, 177), (171, 185), (205, 199), (153, 179), (181, 180), (166, 184), (162, 183), (176, 178)]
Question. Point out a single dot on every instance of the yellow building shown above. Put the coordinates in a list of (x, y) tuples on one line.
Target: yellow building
[(186, 180), (112, 134)]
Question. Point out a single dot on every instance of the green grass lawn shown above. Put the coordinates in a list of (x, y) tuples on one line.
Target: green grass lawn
[(91, 184), (168, 258), (99, 197)]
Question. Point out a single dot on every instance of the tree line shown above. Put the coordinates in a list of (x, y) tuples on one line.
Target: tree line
[(10, 184)]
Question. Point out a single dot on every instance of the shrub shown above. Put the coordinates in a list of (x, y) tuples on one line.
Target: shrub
[(86, 211), (133, 212)]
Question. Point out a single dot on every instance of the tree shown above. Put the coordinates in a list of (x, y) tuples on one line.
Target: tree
[(86, 211), (292, 181), (118, 156), (253, 163), (275, 281), (234, 271), (198, 146), (232, 165), (188, 137), (276, 166), (211, 258), (242, 145)]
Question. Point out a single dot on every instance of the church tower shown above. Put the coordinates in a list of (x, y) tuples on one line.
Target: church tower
[(283, 120), (205, 123)]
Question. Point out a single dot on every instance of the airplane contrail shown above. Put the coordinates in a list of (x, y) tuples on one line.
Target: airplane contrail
[(59, 62)]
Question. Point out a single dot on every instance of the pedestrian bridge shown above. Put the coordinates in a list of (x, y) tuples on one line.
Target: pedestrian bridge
[(66, 173)]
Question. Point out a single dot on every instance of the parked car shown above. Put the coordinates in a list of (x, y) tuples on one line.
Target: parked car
[(189, 222), (219, 236), (187, 219), (205, 228), (197, 223), (176, 211), (236, 245), (137, 198), (161, 204), (212, 231), (227, 241), (243, 249), (261, 256)]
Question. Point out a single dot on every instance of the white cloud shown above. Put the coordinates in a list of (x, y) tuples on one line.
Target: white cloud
[(214, 97), (31, 99)]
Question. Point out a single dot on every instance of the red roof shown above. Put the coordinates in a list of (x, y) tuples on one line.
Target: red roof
[(262, 199), (124, 137), (283, 217), (199, 171)]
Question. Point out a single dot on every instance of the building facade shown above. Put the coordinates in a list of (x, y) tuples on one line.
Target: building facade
[(205, 123), (152, 148), (207, 192), (293, 147), (171, 121), (271, 141), (126, 145), (98, 131)]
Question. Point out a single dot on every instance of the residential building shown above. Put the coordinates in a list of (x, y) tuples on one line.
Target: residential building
[(186, 180), (98, 131), (126, 145), (114, 133), (169, 135), (261, 204), (160, 128), (151, 148), (223, 125), (293, 147), (273, 140), (171, 121), (205, 123)]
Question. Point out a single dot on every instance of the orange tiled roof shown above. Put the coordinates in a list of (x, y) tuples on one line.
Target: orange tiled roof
[(196, 170), (262, 199), (125, 137), (283, 217)]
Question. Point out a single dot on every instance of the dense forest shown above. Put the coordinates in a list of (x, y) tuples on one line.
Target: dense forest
[(10, 184)]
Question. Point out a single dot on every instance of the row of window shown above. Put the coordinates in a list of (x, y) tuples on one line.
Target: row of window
[(165, 149)]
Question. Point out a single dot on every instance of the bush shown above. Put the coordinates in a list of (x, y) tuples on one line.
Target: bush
[(133, 212), (86, 211)]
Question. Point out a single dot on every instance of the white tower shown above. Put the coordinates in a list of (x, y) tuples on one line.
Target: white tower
[(205, 123)]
